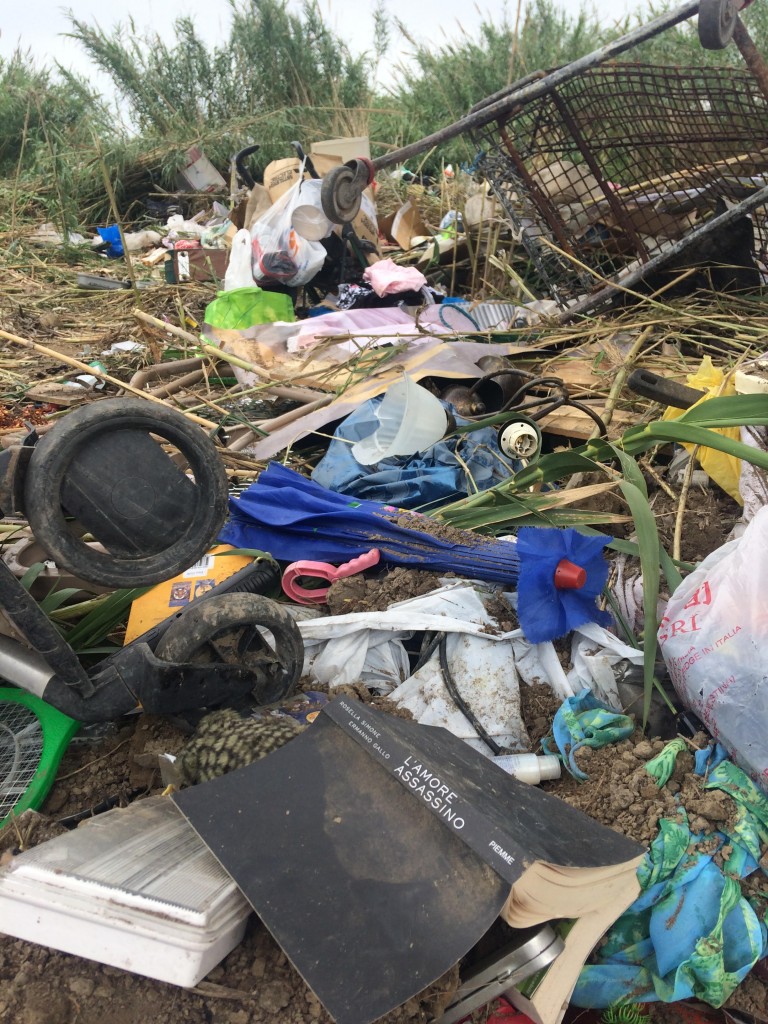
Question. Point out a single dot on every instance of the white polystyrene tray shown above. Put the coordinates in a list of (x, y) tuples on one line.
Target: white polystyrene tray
[(134, 888)]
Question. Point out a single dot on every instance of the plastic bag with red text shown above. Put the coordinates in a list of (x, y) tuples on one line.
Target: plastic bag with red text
[(714, 639)]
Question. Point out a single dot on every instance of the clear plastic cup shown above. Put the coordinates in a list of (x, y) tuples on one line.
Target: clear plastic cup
[(411, 419), (308, 219)]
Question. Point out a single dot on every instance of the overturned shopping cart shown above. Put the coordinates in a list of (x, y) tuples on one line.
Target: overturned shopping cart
[(610, 171)]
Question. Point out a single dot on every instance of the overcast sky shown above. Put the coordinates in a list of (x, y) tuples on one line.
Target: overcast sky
[(39, 24)]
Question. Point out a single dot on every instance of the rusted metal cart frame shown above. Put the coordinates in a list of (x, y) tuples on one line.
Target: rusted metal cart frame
[(498, 125)]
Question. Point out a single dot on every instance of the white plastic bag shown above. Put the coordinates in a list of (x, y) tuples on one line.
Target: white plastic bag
[(279, 251), (714, 638), (239, 274), (484, 673)]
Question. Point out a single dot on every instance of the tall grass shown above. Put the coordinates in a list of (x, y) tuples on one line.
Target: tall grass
[(436, 85), (46, 119), (280, 74)]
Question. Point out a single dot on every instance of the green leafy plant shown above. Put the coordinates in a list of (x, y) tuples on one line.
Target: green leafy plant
[(55, 597), (86, 624), (97, 619), (624, 1013), (499, 509)]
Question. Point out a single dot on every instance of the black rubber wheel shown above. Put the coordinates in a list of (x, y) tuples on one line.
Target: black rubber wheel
[(717, 20), (230, 629), (342, 191), (122, 565)]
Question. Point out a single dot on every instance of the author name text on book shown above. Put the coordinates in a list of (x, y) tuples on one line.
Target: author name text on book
[(359, 725)]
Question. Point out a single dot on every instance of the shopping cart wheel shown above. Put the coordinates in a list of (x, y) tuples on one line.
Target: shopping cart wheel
[(102, 468), (343, 188), (240, 629), (717, 20)]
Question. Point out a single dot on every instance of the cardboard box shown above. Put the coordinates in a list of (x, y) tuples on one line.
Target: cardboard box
[(404, 225), (342, 149), (258, 203), (199, 265), (199, 174), (280, 175)]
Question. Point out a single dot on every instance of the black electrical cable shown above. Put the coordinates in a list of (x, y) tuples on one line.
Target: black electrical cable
[(461, 704), (535, 382), (563, 399), (544, 406), (428, 648), (73, 820), (592, 415), (508, 372)]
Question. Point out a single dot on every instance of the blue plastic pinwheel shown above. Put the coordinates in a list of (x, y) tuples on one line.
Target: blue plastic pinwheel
[(562, 572)]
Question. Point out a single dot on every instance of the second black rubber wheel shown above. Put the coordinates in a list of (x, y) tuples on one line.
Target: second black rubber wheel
[(717, 20), (231, 629)]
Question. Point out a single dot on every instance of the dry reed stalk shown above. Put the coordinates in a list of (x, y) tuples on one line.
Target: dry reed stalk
[(291, 393), (96, 372), (688, 477), (621, 376), (118, 220)]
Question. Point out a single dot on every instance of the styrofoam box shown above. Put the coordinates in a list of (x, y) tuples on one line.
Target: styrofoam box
[(134, 888)]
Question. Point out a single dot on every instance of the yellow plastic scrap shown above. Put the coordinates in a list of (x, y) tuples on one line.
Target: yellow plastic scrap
[(724, 469)]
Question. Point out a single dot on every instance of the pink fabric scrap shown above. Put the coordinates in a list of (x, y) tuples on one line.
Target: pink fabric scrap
[(387, 278)]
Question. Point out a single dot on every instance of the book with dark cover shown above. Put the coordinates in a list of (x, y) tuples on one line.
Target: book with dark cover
[(378, 851)]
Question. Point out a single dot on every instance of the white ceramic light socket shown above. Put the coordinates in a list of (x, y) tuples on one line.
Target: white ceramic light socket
[(519, 440), (530, 768)]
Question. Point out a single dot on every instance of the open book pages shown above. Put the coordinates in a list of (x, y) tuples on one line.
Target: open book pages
[(570, 892)]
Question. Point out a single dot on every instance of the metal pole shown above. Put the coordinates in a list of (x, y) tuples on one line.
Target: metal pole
[(502, 107), (752, 56), (628, 281)]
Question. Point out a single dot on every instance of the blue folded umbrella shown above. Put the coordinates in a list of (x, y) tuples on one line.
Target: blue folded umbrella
[(294, 518)]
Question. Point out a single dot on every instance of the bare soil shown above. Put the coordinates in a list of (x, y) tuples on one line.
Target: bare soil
[(361, 594), (709, 516), (440, 530), (707, 519)]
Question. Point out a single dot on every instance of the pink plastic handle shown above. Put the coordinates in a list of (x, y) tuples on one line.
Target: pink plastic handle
[(323, 571), (356, 565)]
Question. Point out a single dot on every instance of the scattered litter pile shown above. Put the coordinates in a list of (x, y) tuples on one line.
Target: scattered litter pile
[(381, 631)]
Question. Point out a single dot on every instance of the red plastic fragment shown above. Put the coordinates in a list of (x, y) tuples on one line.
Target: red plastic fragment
[(569, 576)]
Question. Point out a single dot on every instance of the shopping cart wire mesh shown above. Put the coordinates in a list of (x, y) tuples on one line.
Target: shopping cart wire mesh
[(614, 166)]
